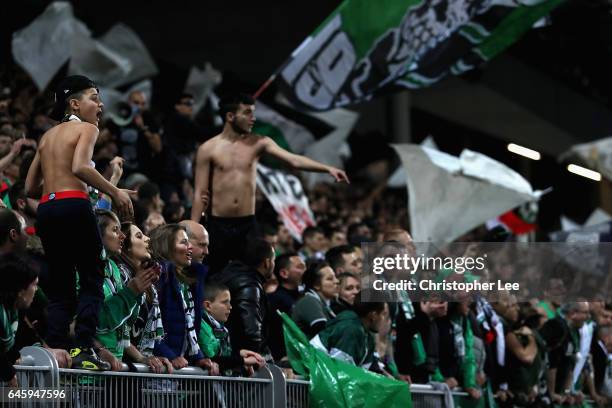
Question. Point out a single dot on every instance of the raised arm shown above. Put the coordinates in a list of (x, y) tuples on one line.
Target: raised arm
[(301, 162), (199, 203)]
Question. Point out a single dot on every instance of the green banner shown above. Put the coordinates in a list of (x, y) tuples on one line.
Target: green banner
[(336, 384), (364, 47)]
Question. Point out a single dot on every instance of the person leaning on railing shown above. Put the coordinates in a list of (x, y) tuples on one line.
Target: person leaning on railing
[(121, 302), (180, 290), (135, 258), (214, 337)]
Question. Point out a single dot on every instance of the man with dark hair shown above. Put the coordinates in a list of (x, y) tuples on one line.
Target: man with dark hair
[(12, 235), (66, 225), (149, 197), (269, 232), (288, 269), (21, 203), (349, 337), (226, 165), (343, 259), (419, 356), (249, 320), (562, 338), (358, 232), (285, 242), (314, 244)]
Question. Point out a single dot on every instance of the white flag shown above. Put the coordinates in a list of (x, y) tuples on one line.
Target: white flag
[(45, 45), (117, 58), (449, 196)]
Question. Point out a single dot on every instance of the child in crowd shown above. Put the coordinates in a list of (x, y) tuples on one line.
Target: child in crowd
[(214, 337)]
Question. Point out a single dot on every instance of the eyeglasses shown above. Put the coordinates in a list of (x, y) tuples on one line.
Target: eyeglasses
[(188, 102)]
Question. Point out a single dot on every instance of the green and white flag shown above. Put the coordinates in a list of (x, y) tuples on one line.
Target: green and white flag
[(287, 133), (336, 384), (366, 46)]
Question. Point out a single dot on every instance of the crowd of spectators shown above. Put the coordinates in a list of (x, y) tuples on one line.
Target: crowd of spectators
[(161, 309)]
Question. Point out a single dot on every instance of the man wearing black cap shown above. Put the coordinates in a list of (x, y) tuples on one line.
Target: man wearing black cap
[(60, 172)]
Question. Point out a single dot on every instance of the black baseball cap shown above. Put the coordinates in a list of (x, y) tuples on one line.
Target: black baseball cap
[(68, 86)]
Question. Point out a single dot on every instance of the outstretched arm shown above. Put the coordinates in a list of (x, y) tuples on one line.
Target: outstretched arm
[(302, 162), (200, 189)]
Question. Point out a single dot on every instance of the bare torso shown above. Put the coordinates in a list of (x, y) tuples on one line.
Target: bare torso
[(56, 151), (233, 166)]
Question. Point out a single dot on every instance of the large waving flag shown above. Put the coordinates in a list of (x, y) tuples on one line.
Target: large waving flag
[(365, 46), (469, 190), (336, 384)]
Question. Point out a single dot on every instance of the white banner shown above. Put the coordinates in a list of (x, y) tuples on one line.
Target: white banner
[(449, 196), (45, 44), (117, 58), (285, 193)]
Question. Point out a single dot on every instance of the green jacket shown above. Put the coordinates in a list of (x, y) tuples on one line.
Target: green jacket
[(345, 338), (118, 312)]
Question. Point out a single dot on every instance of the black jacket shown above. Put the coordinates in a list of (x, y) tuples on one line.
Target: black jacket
[(281, 300), (404, 352), (249, 320), (600, 363)]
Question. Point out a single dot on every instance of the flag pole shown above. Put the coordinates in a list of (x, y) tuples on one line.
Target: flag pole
[(265, 85), (272, 77)]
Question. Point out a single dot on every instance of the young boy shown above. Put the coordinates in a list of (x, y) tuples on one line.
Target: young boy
[(66, 225), (214, 338)]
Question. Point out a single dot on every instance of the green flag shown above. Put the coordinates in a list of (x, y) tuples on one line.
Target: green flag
[(335, 384), (365, 47)]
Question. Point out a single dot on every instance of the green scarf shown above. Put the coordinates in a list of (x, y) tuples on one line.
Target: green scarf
[(112, 285), (9, 320)]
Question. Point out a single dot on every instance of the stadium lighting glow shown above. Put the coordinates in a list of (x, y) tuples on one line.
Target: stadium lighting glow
[(581, 171), (523, 151)]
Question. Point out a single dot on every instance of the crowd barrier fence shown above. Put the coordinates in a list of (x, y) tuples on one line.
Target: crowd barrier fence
[(188, 387)]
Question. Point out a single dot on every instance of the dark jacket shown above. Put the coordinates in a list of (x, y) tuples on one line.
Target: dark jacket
[(600, 364), (172, 313), (281, 300), (405, 354), (340, 305), (248, 323)]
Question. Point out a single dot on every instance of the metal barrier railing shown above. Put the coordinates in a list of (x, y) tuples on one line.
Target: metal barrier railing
[(188, 387), (297, 393), (128, 389)]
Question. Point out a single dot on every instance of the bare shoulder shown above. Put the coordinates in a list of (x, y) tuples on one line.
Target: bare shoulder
[(86, 127), (260, 140), (209, 144)]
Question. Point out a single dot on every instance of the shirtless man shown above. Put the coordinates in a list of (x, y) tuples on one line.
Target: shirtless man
[(228, 161), (61, 171)]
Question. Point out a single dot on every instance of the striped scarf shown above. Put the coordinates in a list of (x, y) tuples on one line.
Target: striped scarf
[(153, 331), (113, 283), (190, 345)]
